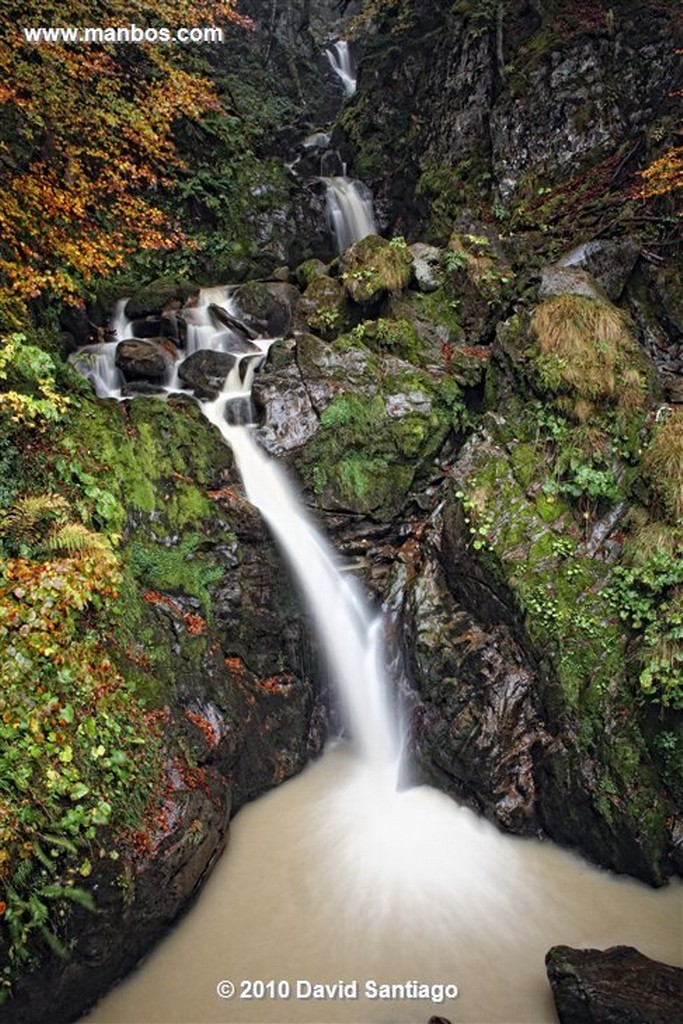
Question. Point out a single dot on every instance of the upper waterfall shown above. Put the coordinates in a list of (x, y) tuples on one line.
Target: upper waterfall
[(339, 56)]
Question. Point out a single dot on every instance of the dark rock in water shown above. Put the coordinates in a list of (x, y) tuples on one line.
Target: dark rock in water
[(143, 360), (174, 326), (205, 372), (267, 306), (237, 326), (238, 341), (438, 1020), (240, 412), (147, 327), (141, 387), (614, 986), (156, 296)]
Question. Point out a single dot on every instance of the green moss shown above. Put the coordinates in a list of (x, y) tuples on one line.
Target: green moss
[(374, 267), (179, 569), (397, 337), (365, 458)]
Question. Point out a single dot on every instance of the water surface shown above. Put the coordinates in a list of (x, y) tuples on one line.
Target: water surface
[(334, 877)]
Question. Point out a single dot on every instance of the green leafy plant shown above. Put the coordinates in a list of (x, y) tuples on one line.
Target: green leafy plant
[(454, 260), (29, 396), (649, 598)]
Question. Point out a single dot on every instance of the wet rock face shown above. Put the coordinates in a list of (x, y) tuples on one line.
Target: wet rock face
[(613, 986), (205, 372), (531, 100)]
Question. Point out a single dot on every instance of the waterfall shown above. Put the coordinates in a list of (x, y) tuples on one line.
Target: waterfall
[(339, 56), (351, 636), (350, 212)]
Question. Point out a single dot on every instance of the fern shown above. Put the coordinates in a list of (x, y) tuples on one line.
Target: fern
[(76, 895), (29, 516), (75, 538), (55, 943)]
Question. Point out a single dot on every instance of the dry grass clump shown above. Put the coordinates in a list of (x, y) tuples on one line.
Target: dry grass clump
[(648, 539), (663, 464), (586, 350)]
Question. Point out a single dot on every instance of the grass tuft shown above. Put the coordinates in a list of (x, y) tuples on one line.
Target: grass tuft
[(663, 464)]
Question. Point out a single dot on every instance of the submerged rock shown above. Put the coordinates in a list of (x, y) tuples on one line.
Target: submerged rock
[(614, 986)]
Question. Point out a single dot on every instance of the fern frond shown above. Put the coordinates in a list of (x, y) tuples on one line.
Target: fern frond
[(75, 538), (73, 893), (29, 515), (55, 943)]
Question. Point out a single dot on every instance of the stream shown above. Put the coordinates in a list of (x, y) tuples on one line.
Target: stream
[(328, 878)]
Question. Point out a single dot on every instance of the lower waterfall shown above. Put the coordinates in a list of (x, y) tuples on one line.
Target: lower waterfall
[(351, 637)]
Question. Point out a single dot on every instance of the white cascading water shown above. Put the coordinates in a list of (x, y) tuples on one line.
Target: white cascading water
[(351, 637), (97, 363), (339, 56), (350, 211)]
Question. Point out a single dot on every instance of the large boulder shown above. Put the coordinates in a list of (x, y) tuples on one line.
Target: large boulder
[(205, 372), (145, 360), (613, 986), (267, 306), (609, 260), (158, 295)]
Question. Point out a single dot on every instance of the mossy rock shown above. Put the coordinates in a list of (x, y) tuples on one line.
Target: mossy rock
[(396, 337), (481, 281), (308, 271), (374, 267), (373, 442), (157, 295), (433, 316), (323, 307), (267, 307)]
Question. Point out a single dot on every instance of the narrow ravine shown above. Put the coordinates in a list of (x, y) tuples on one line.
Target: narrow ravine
[(417, 892)]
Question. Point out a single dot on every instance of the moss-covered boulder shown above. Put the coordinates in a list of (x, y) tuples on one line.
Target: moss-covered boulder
[(308, 271), (323, 307), (266, 306), (481, 280), (375, 267), (379, 434), (158, 295)]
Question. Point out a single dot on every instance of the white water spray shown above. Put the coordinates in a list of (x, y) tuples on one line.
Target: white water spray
[(350, 211), (350, 636), (339, 56)]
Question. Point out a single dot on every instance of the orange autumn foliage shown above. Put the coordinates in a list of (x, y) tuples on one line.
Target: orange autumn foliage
[(86, 138), (662, 176)]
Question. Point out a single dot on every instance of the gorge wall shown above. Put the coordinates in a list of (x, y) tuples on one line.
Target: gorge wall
[(516, 510)]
